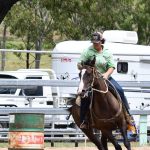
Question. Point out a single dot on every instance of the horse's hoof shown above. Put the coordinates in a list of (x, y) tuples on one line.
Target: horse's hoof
[(131, 136)]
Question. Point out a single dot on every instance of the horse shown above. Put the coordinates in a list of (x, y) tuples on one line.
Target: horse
[(106, 112)]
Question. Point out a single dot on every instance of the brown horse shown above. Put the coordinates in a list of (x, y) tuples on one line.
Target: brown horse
[(106, 111)]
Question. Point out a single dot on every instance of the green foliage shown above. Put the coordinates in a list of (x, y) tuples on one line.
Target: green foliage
[(77, 19), (14, 45), (39, 20), (31, 22), (142, 20)]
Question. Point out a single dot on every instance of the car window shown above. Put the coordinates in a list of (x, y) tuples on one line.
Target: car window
[(37, 91), (7, 90)]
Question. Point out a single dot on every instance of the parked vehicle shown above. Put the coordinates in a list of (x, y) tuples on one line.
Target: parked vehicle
[(39, 97)]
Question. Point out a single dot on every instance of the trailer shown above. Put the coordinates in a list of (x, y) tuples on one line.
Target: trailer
[(132, 64)]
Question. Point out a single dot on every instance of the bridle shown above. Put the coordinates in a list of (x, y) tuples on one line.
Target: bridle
[(98, 77)]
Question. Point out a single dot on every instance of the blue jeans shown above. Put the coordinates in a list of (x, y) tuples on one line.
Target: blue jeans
[(120, 91)]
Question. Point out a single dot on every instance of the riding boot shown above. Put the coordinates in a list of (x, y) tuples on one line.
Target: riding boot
[(131, 128), (83, 111)]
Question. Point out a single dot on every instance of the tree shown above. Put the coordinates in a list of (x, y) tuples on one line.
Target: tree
[(5, 6), (77, 19), (142, 20), (33, 24), (2, 45)]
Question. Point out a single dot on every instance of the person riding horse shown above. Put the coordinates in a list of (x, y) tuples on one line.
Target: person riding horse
[(105, 65)]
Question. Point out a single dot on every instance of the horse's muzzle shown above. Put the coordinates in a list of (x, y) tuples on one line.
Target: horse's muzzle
[(85, 93)]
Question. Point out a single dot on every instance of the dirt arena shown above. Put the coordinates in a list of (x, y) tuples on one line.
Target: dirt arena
[(94, 148), (87, 148)]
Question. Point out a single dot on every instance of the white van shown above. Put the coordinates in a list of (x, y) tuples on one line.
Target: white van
[(132, 63)]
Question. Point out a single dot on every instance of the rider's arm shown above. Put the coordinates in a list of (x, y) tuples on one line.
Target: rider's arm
[(110, 67)]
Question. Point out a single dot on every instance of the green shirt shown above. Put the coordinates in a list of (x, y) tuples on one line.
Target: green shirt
[(104, 60)]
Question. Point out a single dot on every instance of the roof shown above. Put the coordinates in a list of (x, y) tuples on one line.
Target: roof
[(121, 36), (23, 74), (116, 48), (72, 46)]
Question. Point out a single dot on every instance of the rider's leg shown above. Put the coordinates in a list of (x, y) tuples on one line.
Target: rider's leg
[(120, 91), (131, 126), (83, 110)]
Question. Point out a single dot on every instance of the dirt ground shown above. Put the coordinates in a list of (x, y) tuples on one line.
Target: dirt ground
[(94, 148), (87, 148)]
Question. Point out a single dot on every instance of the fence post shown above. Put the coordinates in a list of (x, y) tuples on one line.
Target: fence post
[(143, 130)]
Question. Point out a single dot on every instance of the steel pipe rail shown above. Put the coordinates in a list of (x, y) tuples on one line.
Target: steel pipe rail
[(55, 111), (46, 111), (74, 53), (62, 83), (34, 82)]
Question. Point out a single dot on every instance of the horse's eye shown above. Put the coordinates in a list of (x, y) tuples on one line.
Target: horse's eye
[(89, 70)]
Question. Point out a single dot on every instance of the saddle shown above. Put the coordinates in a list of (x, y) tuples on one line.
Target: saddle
[(117, 96)]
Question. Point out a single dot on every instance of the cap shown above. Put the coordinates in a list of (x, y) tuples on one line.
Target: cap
[(96, 37)]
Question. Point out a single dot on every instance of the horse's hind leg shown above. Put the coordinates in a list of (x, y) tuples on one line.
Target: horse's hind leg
[(125, 139), (89, 133), (109, 135)]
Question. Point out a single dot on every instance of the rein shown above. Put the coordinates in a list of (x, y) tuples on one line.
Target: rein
[(100, 91)]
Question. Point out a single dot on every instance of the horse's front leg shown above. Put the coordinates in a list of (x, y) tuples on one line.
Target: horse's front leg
[(94, 138), (108, 134), (89, 132), (104, 141)]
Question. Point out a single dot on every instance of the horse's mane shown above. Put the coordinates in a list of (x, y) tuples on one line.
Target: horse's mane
[(89, 62)]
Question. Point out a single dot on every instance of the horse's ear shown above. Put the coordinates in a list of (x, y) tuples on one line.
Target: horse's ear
[(93, 60), (80, 65)]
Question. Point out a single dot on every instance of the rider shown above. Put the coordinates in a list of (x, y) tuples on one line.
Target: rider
[(105, 65)]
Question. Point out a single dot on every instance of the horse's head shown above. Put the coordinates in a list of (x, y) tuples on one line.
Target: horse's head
[(86, 77)]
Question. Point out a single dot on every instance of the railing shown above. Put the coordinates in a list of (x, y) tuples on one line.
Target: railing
[(143, 138), (143, 125), (62, 83)]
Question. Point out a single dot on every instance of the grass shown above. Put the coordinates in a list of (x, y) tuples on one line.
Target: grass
[(12, 62)]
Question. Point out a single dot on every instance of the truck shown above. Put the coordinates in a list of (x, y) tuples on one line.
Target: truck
[(132, 64), (14, 97), (35, 97)]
